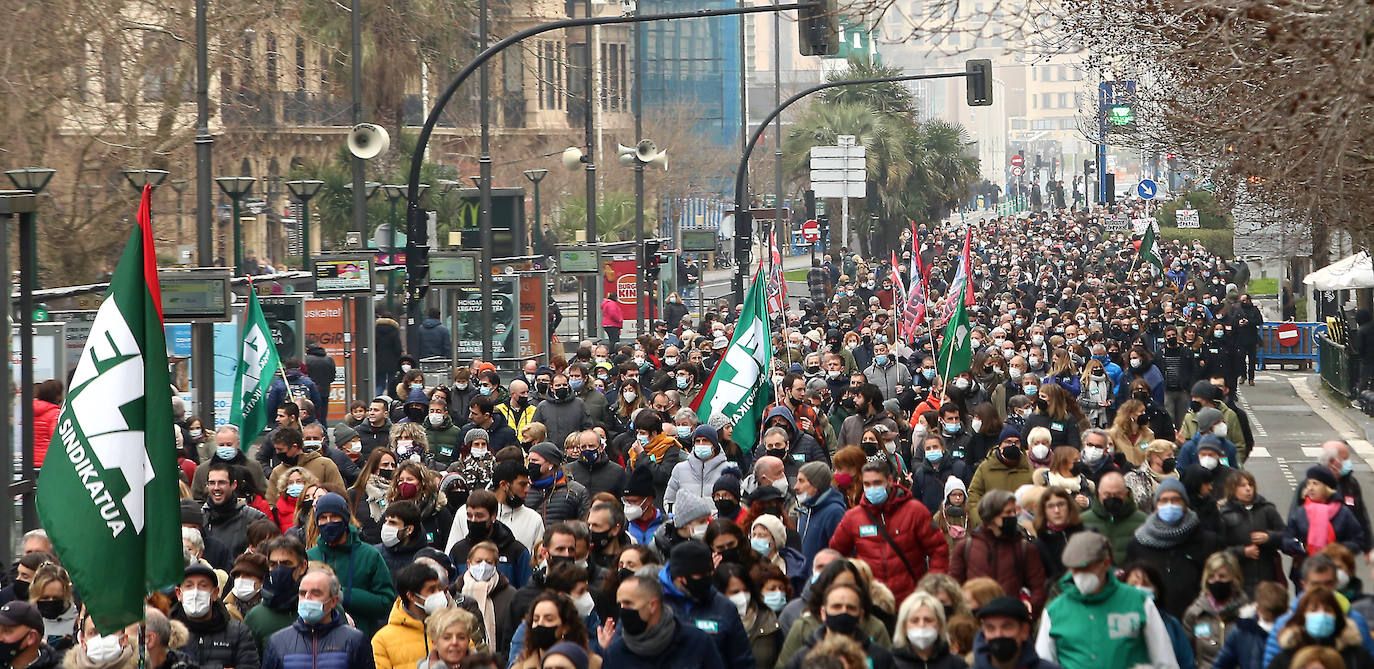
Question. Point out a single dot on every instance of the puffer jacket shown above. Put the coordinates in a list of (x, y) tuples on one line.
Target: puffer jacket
[(219, 641), (816, 522), (445, 441), (402, 642), (695, 477), (600, 476), (366, 581), (1209, 625), (1293, 638), (803, 448), (717, 617), (230, 525), (328, 645), (44, 422), (562, 417), (908, 523), (564, 499), (1244, 646), (1013, 562)]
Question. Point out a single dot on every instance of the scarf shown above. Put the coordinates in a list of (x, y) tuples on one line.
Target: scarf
[(656, 639), (1073, 483), (480, 592), (1157, 534), (658, 446), (1319, 529)]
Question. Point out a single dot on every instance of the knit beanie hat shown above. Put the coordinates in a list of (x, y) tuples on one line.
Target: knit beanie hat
[(1171, 484), (688, 558), (474, 434), (331, 503), (728, 482), (1008, 431), (817, 474), (549, 452), (1207, 419), (689, 508)]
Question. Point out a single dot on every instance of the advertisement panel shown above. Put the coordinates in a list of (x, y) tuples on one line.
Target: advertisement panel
[(533, 316), (619, 279), (505, 314), (325, 325)]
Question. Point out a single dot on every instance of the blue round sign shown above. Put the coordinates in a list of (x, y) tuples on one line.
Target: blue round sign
[(1147, 189)]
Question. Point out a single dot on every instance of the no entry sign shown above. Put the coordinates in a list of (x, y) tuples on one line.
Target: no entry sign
[(1288, 335)]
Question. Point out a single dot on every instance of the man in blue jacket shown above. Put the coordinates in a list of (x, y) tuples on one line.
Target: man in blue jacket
[(687, 590), (319, 638), (820, 507), (649, 634)]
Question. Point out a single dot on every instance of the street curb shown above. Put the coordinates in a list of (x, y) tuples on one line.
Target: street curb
[(1344, 427)]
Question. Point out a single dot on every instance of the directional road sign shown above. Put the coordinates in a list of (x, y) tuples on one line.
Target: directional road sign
[(1147, 189)]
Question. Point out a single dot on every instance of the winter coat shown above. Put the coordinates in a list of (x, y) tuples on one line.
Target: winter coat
[(314, 462), (387, 346), (1028, 659), (373, 436), (1237, 523), (321, 369), (816, 522), (908, 523), (1244, 646), (1151, 375), (888, 377), (296, 385), (1180, 565), (435, 341), (1348, 530), (402, 642), (445, 441), (367, 589), (905, 657), (230, 525), (694, 477), (401, 555), (876, 656), (802, 448), (1072, 629), (765, 636), (564, 499), (1142, 483), (690, 648), (928, 481), (1208, 626), (1050, 545), (44, 423), (993, 474), (600, 476), (219, 641), (717, 617), (250, 465), (1119, 530), (1013, 562), (499, 434), (1293, 638), (852, 429), (331, 644), (562, 417), (512, 557), (1063, 432)]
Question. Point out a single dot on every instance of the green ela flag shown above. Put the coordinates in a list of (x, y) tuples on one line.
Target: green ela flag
[(739, 387), (109, 498), (1149, 248), (955, 347), (258, 361)]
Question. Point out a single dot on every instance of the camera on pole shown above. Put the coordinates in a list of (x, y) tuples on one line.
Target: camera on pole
[(978, 82), (818, 29)]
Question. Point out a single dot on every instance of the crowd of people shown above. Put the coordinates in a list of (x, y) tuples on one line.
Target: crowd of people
[(1076, 497)]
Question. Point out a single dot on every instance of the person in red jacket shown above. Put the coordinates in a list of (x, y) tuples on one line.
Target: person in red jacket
[(891, 531), (47, 403), (612, 319), (999, 551)]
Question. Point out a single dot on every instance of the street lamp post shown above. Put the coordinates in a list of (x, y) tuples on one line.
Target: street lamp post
[(537, 239), (304, 190), (179, 187), (236, 188), (33, 180), (140, 178), (394, 193), (20, 205)]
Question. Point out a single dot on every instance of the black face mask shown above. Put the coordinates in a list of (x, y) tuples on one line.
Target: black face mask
[(727, 508), (478, 531), (10, 650), (1195, 406), (1003, 648), (543, 637), (599, 540), (1114, 505), (535, 471), (847, 403), (1220, 590), (1009, 454), (21, 590), (730, 554), (624, 573), (870, 447), (631, 622), (280, 590), (1009, 527), (542, 387), (1168, 465), (515, 501), (954, 511), (1142, 396), (699, 588), (52, 609), (562, 393), (842, 623), (555, 560)]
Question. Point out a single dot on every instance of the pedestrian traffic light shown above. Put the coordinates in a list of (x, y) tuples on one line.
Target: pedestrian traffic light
[(1088, 166), (1109, 187), (818, 28), (978, 82), (809, 199)]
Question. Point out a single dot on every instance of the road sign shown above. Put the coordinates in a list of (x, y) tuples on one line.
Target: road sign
[(1187, 218), (1017, 161), (1016, 170), (811, 231), (1147, 189), (1288, 335)]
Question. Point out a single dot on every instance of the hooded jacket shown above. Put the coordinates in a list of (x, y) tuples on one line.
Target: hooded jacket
[(564, 499), (802, 447), (321, 369), (367, 589), (402, 642), (512, 558), (717, 617), (928, 481), (695, 476), (817, 519), (230, 525), (499, 435), (908, 523), (445, 441), (331, 644), (434, 339)]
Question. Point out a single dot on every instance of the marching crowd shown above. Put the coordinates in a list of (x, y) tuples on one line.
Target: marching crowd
[(1076, 497)]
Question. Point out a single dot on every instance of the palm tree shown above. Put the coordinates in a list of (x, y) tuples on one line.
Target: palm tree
[(615, 218), (887, 98)]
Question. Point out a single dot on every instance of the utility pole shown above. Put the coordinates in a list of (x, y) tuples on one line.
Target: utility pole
[(637, 102), (780, 226), (589, 138), (203, 334), (484, 186)]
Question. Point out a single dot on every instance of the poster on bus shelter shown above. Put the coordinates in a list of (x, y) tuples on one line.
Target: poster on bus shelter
[(505, 319), (325, 325)]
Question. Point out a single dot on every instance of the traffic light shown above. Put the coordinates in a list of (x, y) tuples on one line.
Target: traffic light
[(978, 82), (809, 199), (1109, 185), (652, 262), (1088, 166), (818, 29)]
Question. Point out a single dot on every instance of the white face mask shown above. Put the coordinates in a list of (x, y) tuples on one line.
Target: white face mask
[(922, 637), (103, 649), (1208, 462), (1087, 582), (390, 535), (741, 602), (1220, 430), (1092, 454), (196, 603), (584, 604), (245, 588), (633, 511), (436, 419), (976, 424), (355, 447), (482, 571), (1040, 451), (699, 531), (478, 452), (629, 396), (434, 603), (1342, 579)]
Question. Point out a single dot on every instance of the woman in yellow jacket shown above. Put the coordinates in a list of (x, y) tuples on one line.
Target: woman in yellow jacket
[(402, 641)]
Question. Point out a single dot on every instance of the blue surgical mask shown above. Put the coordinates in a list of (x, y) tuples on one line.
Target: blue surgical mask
[(295, 489), (1320, 624), (683, 432), (876, 494), (934, 456), (880, 359), (643, 439), (484, 390), (417, 386), (1170, 513), (575, 383), (1031, 391), (951, 428), (928, 373), (1347, 467), (310, 610), (775, 600), (225, 452), (702, 451), (683, 382), (760, 546)]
